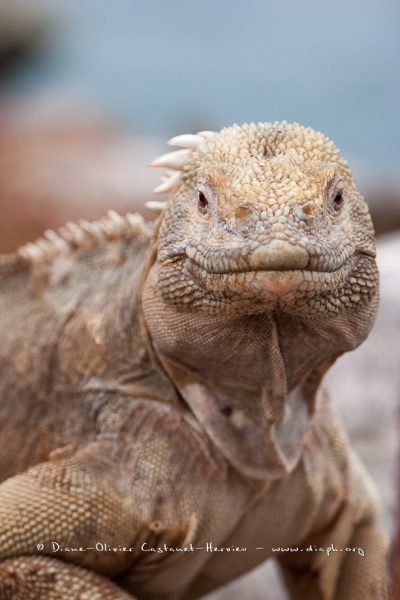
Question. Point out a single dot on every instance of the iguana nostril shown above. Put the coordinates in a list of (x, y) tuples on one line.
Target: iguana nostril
[(242, 211), (305, 212), (308, 209), (245, 217)]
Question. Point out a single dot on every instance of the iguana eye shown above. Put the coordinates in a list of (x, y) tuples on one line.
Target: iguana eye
[(338, 201), (203, 202), (206, 200), (336, 195)]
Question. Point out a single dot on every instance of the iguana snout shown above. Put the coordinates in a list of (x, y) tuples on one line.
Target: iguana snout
[(278, 255)]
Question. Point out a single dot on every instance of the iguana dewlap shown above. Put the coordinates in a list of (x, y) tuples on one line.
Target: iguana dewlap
[(162, 422)]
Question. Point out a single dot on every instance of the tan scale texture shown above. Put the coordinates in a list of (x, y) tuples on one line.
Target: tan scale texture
[(161, 389)]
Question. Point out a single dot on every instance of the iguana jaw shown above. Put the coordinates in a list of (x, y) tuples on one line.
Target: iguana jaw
[(299, 291), (275, 255), (271, 285)]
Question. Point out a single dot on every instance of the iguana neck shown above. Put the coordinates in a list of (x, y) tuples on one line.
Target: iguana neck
[(240, 353), (250, 380)]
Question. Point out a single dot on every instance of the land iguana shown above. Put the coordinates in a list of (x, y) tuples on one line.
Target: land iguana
[(163, 427)]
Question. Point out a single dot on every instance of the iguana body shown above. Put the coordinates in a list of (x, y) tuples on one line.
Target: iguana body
[(161, 390)]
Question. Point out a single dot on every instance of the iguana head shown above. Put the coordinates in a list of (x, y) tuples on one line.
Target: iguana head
[(263, 217)]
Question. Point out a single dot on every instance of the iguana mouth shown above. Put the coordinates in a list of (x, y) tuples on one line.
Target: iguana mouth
[(277, 256), (272, 285), (276, 282)]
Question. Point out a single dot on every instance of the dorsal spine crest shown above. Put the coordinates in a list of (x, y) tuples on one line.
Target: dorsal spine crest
[(84, 235)]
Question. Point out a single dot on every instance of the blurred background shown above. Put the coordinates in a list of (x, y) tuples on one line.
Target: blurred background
[(90, 91)]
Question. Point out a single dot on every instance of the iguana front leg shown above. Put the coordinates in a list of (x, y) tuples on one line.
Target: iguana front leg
[(74, 502), (347, 560), (360, 576), (39, 577), (149, 479)]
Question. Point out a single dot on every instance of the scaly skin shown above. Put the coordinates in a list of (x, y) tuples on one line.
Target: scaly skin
[(165, 388)]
